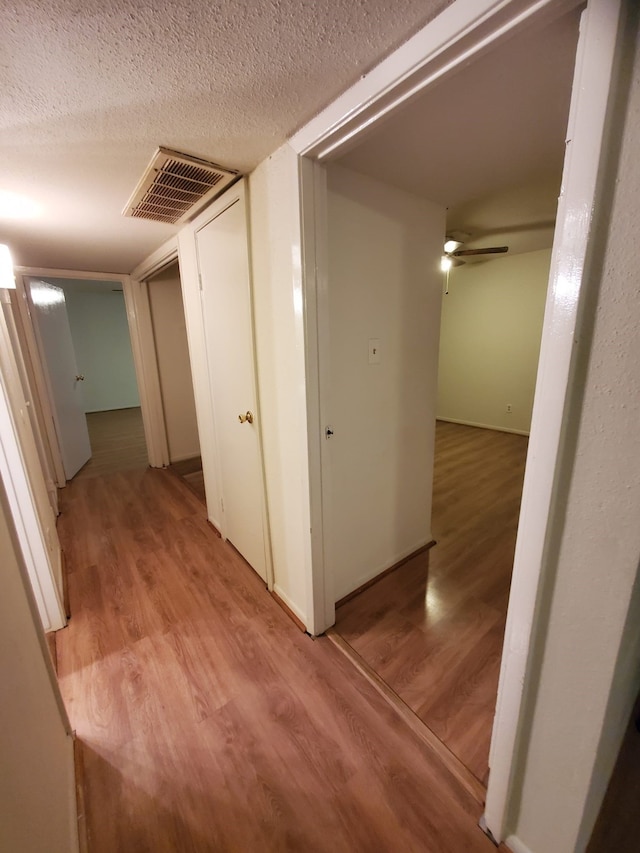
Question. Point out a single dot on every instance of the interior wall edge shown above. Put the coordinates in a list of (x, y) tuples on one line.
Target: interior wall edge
[(482, 426)]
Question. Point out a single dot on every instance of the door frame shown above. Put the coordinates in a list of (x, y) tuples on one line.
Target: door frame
[(144, 349), (20, 468), (205, 404), (466, 29), (145, 386)]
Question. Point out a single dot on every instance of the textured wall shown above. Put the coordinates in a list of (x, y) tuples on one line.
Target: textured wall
[(228, 81), (590, 662)]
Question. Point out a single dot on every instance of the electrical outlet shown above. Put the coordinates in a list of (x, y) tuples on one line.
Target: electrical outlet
[(509, 408)]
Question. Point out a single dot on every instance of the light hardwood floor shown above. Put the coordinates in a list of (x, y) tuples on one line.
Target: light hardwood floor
[(190, 470), (207, 720), (433, 628), (117, 443)]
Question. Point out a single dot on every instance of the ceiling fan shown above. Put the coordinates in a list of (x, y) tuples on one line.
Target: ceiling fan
[(453, 254)]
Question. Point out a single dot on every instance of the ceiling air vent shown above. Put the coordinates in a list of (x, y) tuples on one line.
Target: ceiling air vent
[(175, 186)]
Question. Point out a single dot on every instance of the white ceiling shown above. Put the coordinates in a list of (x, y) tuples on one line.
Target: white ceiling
[(90, 88), (488, 142)]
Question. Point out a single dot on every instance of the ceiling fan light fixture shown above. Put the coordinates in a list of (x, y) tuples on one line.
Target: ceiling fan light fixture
[(451, 245), (445, 263)]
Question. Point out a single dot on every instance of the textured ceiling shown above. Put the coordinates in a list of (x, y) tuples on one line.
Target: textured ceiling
[(488, 142), (89, 89)]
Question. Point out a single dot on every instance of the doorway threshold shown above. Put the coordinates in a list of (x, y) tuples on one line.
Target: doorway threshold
[(471, 784)]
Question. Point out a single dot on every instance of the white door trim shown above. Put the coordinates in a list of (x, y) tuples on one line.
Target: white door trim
[(24, 510), (464, 29), (205, 408), (41, 386), (135, 306), (144, 349), (591, 95)]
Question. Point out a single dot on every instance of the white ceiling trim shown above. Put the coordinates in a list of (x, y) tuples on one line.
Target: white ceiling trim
[(453, 38)]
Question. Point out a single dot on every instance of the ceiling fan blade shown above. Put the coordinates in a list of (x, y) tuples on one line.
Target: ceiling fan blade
[(493, 250)]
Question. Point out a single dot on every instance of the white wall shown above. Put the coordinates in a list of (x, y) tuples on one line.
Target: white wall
[(102, 345), (490, 340), (588, 672), (21, 467), (278, 317), (384, 284), (37, 787), (174, 367)]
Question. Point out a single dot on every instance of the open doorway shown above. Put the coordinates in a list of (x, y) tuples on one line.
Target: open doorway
[(174, 375), (432, 627), (82, 335)]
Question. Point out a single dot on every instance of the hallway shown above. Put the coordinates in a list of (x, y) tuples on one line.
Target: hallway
[(207, 720)]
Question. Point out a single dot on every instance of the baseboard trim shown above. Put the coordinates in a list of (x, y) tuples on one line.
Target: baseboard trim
[(484, 426), (78, 763), (212, 525), (456, 768), (384, 573), (283, 599), (65, 585), (514, 845), (295, 619), (50, 637), (117, 409)]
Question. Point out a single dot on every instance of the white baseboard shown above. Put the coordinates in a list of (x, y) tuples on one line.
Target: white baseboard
[(516, 846), (387, 564), (293, 607), (484, 426)]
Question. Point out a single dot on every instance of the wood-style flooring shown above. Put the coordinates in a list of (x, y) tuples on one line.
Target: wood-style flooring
[(190, 470), (207, 720), (618, 825), (117, 443), (433, 629)]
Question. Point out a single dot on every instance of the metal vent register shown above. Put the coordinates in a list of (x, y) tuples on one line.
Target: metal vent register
[(175, 185)]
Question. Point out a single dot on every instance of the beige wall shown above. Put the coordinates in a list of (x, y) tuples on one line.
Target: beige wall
[(174, 367), (490, 340), (37, 788), (587, 665), (384, 284)]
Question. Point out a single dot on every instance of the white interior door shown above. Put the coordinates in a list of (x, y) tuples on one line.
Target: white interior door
[(223, 263), (59, 361)]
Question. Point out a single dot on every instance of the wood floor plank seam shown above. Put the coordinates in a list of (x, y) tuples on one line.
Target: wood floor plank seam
[(470, 783), (433, 628), (208, 723), (384, 573)]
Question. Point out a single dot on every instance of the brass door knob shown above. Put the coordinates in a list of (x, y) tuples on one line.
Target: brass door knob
[(248, 418)]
